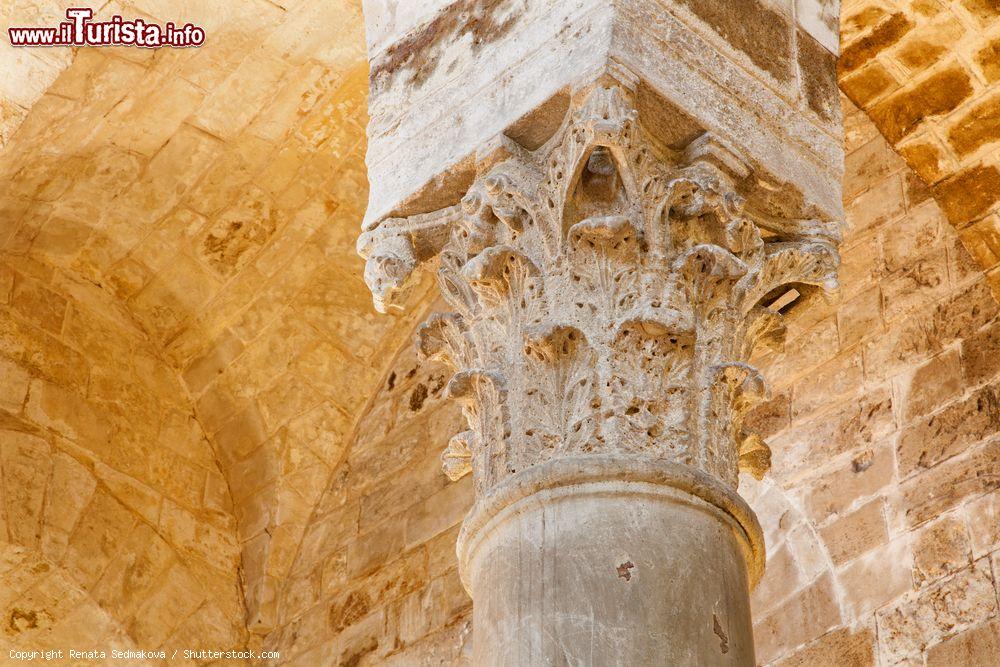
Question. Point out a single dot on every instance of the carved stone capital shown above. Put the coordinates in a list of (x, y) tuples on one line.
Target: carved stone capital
[(607, 294)]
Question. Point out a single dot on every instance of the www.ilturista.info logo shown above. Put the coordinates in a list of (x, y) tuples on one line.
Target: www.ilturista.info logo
[(79, 30)]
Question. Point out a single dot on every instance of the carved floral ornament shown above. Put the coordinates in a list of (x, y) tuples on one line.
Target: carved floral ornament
[(604, 301)]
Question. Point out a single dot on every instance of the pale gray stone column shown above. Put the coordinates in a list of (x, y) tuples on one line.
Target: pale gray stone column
[(611, 207), (605, 304)]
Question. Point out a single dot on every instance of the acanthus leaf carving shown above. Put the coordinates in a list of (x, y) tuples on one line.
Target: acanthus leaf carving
[(606, 297)]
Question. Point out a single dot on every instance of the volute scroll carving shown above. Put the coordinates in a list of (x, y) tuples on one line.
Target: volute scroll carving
[(604, 298)]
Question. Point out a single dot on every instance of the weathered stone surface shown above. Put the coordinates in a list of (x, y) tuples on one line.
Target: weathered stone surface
[(988, 59), (869, 84), (975, 647), (761, 33), (981, 354), (983, 525), (941, 548), (927, 158), (862, 476), (782, 577), (838, 648), (855, 425), (885, 34), (856, 533), (969, 194), (933, 384), (876, 579), (978, 127), (964, 600), (900, 114), (949, 432), (809, 614), (936, 490)]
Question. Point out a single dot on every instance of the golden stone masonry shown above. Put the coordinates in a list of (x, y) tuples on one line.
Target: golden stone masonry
[(502, 332)]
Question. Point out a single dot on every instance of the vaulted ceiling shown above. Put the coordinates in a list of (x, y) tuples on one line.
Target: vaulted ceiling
[(213, 197)]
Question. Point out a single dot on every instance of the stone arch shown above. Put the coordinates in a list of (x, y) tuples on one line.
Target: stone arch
[(226, 238), (881, 410), (375, 576), (104, 470)]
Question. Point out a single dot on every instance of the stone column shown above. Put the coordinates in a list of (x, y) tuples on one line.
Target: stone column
[(610, 260), (605, 303)]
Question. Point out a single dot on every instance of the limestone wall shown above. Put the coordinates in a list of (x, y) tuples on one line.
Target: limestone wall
[(928, 74), (881, 510), (116, 522), (199, 407), (375, 580)]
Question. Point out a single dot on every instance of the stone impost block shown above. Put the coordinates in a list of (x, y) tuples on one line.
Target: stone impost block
[(449, 77)]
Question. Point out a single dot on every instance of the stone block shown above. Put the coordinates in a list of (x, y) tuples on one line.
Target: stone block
[(988, 59), (964, 312), (982, 240), (981, 355), (860, 317), (915, 234), (136, 496), (27, 464), (984, 523), (970, 194), (94, 540), (975, 647), (818, 72), (838, 378), (868, 84), (844, 647), (856, 533), (986, 11), (14, 388), (38, 304), (201, 371), (869, 164), (876, 578), (749, 35), (860, 263), (912, 288), (927, 157), (852, 426), (949, 432), (907, 342), (932, 385), (810, 613), (781, 579), (69, 492), (134, 572), (68, 414), (976, 127), (931, 492), (885, 33), (941, 93), (940, 548), (865, 474), (441, 511), (177, 596), (374, 548), (806, 348), (883, 202), (240, 435)]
